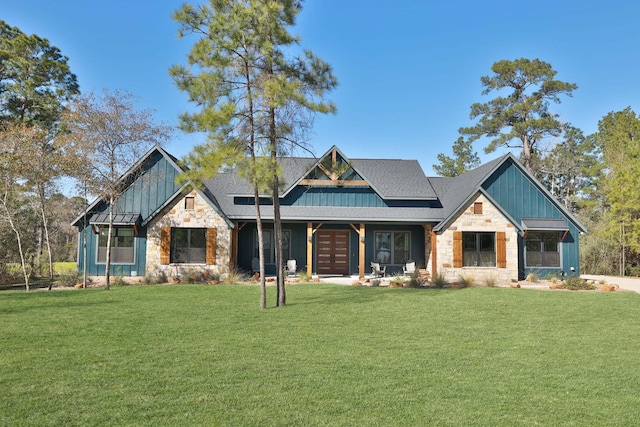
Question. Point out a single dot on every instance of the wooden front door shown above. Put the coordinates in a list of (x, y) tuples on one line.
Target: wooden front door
[(332, 252)]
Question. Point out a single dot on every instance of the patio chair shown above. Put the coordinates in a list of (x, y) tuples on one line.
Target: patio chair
[(376, 270), (409, 268), (291, 267)]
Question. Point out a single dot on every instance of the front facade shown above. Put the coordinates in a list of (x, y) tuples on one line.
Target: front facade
[(338, 216)]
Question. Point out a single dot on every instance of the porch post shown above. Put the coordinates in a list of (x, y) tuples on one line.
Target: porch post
[(361, 259), (434, 255), (309, 248), (233, 258)]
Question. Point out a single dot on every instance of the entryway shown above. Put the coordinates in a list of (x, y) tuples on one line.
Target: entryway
[(332, 252)]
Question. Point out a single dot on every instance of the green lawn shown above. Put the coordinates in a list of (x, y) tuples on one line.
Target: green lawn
[(336, 355), (59, 267)]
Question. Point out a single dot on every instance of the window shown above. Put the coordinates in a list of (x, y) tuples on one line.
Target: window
[(188, 245), (542, 249), (392, 247), (189, 203), (269, 246), (479, 249), (122, 245)]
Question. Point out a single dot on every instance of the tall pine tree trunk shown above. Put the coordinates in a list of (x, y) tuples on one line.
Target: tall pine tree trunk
[(277, 223), (263, 285)]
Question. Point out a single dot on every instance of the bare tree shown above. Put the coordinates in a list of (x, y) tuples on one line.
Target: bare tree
[(14, 161), (115, 135)]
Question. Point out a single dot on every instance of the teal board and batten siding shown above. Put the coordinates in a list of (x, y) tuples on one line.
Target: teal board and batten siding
[(149, 191), (331, 196), (521, 198)]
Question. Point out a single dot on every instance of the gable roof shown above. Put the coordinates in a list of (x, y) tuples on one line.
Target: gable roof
[(391, 179), (135, 169), (456, 193)]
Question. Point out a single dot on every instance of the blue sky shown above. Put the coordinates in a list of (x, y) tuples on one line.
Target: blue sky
[(408, 70)]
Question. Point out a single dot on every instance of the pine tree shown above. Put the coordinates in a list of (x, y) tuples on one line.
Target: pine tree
[(465, 159), (522, 118), (255, 98)]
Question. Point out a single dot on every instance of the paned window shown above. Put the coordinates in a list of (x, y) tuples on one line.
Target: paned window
[(479, 249), (392, 247), (269, 246), (542, 249), (188, 245), (122, 245)]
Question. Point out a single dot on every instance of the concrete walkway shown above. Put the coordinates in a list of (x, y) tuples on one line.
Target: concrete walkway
[(627, 283)]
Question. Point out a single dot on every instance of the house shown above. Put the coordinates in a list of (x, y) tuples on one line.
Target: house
[(338, 215)]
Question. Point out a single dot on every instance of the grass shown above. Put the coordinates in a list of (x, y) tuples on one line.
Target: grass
[(59, 267), (336, 355)]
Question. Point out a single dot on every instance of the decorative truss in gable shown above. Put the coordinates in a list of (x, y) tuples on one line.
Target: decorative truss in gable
[(332, 170)]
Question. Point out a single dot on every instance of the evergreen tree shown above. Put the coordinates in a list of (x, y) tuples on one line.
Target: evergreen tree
[(618, 138), (254, 98), (572, 169), (522, 118), (465, 159), (35, 84)]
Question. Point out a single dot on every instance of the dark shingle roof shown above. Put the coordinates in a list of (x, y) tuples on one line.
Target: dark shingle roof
[(391, 179), (452, 192), (395, 179)]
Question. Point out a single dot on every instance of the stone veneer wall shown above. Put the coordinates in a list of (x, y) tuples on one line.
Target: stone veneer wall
[(491, 220), (201, 216)]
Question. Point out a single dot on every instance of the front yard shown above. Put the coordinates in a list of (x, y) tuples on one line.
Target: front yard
[(336, 355)]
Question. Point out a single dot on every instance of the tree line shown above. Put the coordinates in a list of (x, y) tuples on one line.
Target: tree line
[(50, 131)]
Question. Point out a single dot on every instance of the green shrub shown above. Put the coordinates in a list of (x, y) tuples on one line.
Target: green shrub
[(119, 281), (532, 277), (304, 276), (439, 281), (69, 278), (576, 283), (375, 282), (155, 279)]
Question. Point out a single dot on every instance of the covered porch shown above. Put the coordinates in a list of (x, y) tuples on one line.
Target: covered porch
[(338, 248)]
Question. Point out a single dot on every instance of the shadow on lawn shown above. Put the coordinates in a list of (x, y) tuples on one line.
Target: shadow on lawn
[(20, 286)]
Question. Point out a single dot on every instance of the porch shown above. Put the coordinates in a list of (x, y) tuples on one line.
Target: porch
[(337, 249)]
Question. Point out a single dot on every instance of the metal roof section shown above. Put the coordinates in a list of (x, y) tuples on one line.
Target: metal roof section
[(544, 224), (118, 218)]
